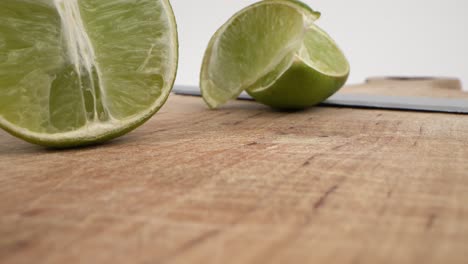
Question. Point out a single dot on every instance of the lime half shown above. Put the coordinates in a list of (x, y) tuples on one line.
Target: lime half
[(274, 51), (77, 72)]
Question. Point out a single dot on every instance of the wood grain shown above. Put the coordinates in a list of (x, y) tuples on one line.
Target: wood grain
[(244, 184)]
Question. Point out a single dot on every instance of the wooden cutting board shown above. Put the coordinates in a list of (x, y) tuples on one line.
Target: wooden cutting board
[(246, 184)]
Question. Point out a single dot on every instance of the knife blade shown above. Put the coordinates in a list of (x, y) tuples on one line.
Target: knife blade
[(406, 103)]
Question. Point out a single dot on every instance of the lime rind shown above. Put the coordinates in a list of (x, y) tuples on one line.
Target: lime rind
[(299, 87), (308, 11)]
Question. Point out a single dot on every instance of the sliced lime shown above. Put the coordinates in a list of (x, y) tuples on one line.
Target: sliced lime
[(77, 72), (274, 51)]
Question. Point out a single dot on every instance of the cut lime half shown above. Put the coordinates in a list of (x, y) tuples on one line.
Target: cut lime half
[(77, 72), (274, 51)]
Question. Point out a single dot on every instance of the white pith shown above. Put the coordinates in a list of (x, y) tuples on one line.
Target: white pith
[(79, 48)]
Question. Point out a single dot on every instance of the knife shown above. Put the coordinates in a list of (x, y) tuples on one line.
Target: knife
[(407, 103)]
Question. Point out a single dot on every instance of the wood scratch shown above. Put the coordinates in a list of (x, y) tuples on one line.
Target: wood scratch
[(198, 240), (390, 193), (19, 245), (191, 244), (430, 221), (421, 133), (341, 146), (238, 122), (310, 159), (321, 201), (33, 212), (255, 115)]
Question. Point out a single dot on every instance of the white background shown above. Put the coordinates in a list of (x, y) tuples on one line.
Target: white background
[(399, 37)]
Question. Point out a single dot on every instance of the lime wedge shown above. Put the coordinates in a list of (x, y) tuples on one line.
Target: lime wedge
[(78, 72), (274, 51)]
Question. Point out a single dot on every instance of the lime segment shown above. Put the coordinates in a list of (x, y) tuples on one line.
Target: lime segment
[(322, 53), (244, 51)]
